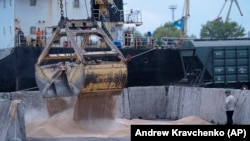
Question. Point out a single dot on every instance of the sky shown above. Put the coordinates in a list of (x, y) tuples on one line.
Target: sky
[(156, 13)]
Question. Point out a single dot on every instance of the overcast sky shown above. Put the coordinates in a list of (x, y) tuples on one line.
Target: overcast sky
[(157, 12)]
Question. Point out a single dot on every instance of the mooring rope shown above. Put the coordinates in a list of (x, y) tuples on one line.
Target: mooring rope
[(142, 53), (27, 89)]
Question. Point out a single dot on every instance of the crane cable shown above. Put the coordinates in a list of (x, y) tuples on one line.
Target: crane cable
[(62, 12)]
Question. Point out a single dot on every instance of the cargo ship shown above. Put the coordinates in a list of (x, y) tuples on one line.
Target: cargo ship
[(192, 62), (148, 65)]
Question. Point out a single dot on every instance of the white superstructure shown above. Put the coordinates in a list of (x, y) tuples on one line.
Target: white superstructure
[(29, 15)]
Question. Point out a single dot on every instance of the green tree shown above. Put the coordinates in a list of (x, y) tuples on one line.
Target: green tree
[(167, 30), (219, 29)]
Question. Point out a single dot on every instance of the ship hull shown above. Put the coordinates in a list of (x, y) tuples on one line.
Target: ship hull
[(154, 68)]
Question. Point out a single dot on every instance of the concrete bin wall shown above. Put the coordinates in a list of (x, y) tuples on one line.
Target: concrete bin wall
[(160, 102), (143, 102), (177, 102), (11, 127), (207, 103)]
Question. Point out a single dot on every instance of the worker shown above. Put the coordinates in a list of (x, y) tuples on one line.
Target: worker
[(149, 40), (230, 106), (38, 38)]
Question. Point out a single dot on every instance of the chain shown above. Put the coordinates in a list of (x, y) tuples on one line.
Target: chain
[(61, 6)]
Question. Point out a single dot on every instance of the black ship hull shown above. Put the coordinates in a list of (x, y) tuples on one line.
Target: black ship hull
[(154, 68)]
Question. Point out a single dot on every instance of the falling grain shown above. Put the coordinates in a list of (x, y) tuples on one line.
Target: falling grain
[(95, 108)]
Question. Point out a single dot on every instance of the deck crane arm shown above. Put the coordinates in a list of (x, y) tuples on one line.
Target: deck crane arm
[(186, 14)]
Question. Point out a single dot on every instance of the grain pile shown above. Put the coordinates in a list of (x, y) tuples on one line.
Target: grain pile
[(88, 117), (63, 125)]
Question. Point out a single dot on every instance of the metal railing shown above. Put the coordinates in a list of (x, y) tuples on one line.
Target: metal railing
[(133, 16), (20, 40), (128, 41)]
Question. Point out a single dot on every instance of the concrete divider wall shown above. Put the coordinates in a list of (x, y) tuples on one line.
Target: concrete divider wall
[(11, 127), (34, 104), (207, 103), (160, 102), (32, 99), (143, 102)]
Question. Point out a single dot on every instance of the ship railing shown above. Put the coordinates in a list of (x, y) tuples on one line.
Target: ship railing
[(30, 40), (139, 42), (174, 42), (20, 40), (99, 16), (133, 16)]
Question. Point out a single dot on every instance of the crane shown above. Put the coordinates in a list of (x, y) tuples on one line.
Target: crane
[(186, 14), (229, 10), (182, 22)]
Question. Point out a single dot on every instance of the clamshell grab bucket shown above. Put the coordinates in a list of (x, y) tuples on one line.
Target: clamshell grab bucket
[(104, 79), (73, 80), (83, 72), (60, 79)]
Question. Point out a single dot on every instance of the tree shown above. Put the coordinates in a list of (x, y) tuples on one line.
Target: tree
[(168, 30), (221, 30)]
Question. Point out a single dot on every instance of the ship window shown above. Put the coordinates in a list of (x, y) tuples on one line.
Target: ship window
[(76, 3), (32, 30), (10, 2), (32, 2), (4, 3)]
